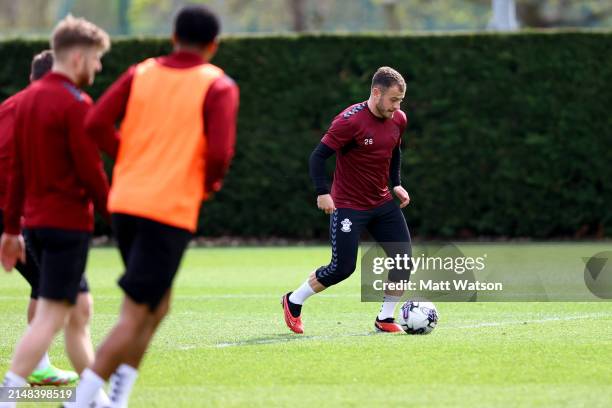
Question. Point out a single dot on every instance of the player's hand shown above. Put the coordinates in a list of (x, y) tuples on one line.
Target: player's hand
[(402, 194), (326, 203), (12, 249)]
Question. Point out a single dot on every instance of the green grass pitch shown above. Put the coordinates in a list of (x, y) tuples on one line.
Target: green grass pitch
[(225, 344)]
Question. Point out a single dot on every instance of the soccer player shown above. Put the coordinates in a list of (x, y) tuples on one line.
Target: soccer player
[(45, 373), (366, 139), (55, 175), (176, 141)]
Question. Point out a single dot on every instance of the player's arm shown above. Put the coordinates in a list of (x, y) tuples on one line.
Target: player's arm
[(12, 247), (220, 112), (102, 118), (88, 163), (316, 165), (395, 177), (396, 165)]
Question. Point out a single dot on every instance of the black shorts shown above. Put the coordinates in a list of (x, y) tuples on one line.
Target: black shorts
[(151, 252), (387, 226), (29, 270), (61, 256)]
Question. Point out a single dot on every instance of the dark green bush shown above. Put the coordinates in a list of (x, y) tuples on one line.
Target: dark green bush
[(510, 135)]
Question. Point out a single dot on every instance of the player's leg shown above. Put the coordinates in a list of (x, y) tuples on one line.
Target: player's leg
[(62, 262), (388, 227), (111, 354), (65, 252), (58, 291), (44, 373), (152, 253), (140, 344), (29, 271), (124, 377), (48, 321), (344, 231), (31, 309), (77, 334), (131, 336)]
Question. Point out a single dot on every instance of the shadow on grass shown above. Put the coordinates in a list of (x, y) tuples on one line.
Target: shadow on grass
[(287, 338)]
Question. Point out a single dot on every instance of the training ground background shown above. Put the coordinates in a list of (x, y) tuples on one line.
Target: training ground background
[(225, 343)]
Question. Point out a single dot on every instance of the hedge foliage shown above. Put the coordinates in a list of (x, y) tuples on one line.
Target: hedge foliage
[(509, 135)]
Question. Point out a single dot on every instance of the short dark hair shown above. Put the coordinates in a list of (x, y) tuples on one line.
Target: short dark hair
[(41, 64), (72, 31), (196, 25), (386, 77)]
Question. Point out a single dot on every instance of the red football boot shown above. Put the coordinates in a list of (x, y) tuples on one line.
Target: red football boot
[(387, 326), (293, 323)]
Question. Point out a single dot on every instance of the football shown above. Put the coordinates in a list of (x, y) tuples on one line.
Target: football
[(418, 317)]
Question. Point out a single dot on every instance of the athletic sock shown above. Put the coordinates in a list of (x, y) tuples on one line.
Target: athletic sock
[(87, 390), (302, 293), (122, 382), (297, 298), (11, 380), (43, 363), (387, 311), (101, 399)]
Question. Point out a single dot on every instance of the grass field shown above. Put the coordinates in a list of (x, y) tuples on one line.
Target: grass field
[(225, 343)]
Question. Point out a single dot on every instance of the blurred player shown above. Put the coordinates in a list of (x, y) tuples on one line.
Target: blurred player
[(45, 373), (366, 139), (176, 142), (55, 174)]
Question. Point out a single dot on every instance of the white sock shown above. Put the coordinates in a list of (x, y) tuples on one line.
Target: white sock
[(122, 382), (11, 380), (388, 307), (302, 293), (43, 363), (101, 399), (87, 390)]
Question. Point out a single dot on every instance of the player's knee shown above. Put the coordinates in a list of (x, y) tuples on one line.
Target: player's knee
[(135, 317), (335, 274), (161, 311), (134, 325), (49, 321), (83, 311), (163, 307)]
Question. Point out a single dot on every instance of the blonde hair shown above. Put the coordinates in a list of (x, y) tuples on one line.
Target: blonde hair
[(76, 31)]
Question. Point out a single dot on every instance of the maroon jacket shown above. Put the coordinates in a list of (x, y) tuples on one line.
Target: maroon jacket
[(219, 115), (7, 122), (56, 170)]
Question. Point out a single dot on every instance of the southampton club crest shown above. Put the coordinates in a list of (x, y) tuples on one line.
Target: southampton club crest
[(346, 225)]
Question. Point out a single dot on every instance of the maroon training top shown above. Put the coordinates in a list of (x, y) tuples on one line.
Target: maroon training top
[(219, 114), (7, 121), (364, 145), (56, 169)]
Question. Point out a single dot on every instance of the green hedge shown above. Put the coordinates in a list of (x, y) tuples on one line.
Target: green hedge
[(509, 135)]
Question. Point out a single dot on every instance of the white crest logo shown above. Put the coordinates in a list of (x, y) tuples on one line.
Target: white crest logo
[(346, 225)]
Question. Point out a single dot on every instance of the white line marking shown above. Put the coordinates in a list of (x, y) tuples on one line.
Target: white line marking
[(544, 320)]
